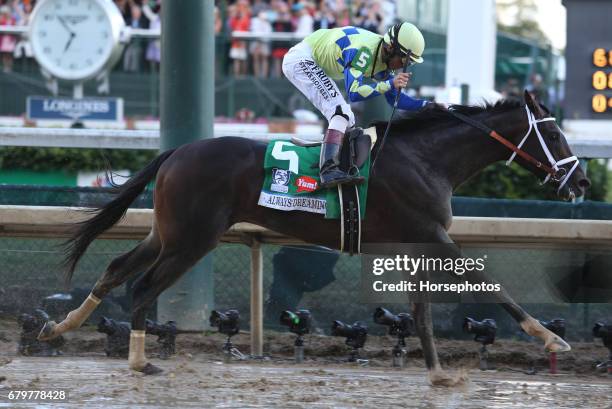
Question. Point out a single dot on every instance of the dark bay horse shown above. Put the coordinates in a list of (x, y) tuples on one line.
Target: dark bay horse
[(205, 187)]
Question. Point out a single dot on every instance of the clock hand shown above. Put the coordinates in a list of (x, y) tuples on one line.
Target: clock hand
[(69, 41), (63, 22)]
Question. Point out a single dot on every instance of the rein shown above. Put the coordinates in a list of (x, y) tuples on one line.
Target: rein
[(554, 172)]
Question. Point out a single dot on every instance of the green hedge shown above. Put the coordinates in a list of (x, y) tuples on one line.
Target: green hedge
[(496, 181), (500, 181), (73, 159)]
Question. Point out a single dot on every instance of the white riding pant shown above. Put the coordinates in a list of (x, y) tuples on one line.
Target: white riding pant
[(300, 68)]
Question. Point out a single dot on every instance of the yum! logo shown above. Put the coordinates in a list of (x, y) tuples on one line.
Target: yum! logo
[(306, 184)]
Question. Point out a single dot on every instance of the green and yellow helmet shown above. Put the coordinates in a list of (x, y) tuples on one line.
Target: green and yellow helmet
[(406, 39)]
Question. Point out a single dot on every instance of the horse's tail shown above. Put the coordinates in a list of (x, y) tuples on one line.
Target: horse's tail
[(109, 214)]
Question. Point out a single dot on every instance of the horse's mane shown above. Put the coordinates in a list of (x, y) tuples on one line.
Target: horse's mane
[(436, 115)]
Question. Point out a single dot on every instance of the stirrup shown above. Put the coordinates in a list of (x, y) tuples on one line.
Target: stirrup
[(341, 178)]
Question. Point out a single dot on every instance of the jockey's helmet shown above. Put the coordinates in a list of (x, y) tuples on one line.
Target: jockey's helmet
[(406, 39)]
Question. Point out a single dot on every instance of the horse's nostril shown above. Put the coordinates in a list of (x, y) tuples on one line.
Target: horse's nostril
[(584, 183)]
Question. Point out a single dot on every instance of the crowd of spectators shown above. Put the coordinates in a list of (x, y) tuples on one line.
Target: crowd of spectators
[(302, 17), (260, 57), (14, 13), (144, 14)]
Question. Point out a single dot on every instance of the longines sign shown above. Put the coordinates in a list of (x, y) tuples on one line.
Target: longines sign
[(88, 109)]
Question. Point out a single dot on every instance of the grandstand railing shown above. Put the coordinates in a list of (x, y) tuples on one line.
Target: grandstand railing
[(154, 34)]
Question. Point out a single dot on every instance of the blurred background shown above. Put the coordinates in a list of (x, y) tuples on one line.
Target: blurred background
[(528, 54), (523, 48)]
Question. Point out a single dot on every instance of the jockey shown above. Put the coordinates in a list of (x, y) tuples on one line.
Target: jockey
[(352, 54)]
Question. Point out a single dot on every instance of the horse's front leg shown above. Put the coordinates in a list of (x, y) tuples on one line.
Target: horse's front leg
[(421, 312), (552, 342)]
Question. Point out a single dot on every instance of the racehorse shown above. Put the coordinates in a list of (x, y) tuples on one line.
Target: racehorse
[(205, 187)]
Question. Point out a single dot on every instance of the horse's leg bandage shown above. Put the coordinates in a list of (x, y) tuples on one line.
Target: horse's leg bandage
[(77, 317), (136, 358), (552, 342)]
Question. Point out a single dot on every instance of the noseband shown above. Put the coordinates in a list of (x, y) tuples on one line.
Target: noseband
[(555, 173)]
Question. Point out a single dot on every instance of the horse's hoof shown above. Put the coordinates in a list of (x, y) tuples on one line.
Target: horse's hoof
[(442, 378), (46, 333), (150, 369), (556, 344)]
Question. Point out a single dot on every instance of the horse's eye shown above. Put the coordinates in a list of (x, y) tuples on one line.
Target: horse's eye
[(555, 136)]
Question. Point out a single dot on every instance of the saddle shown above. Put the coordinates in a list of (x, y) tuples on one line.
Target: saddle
[(354, 153)]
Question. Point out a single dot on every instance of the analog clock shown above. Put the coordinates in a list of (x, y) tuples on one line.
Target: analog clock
[(76, 39)]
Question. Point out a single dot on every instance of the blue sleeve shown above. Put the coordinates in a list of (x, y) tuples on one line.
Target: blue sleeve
[(405, 102), (357, 90), (347, 57), (354, 84)]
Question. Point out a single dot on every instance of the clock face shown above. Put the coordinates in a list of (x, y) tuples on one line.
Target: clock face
[(74, 39)]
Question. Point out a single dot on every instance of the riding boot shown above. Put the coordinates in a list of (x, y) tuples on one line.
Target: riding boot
[(330, 172)]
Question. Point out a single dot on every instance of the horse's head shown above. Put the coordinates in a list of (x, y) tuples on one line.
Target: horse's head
[(545, 142)]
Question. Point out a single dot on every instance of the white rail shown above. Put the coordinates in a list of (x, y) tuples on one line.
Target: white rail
[(112, 138), (51, 221), (149, 139)]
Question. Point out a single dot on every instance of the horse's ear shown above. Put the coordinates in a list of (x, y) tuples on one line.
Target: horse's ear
[(533, 105)]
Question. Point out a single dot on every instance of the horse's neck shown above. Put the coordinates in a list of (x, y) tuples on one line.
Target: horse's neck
[(462, 154)]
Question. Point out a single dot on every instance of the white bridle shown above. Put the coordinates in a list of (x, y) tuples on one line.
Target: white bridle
[(533, 124)]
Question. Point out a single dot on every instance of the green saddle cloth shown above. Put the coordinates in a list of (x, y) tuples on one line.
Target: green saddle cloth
[(292, 181)]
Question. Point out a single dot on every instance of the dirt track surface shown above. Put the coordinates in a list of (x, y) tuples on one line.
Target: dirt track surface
[(196, 376), (106, 383)]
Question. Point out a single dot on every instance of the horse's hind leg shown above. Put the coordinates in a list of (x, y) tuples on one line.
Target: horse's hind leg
[(118, 271), (168, 268)]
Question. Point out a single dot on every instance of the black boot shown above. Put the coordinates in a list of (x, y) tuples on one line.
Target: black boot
[(330, 173)]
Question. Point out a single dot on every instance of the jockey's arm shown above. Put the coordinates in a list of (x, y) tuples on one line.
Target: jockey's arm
[(357, 90), (405, 102)]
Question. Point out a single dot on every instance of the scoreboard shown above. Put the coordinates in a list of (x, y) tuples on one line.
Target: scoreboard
[(602, 80), (588, 54)]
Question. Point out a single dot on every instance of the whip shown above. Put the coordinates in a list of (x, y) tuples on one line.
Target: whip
[(397, 97)]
